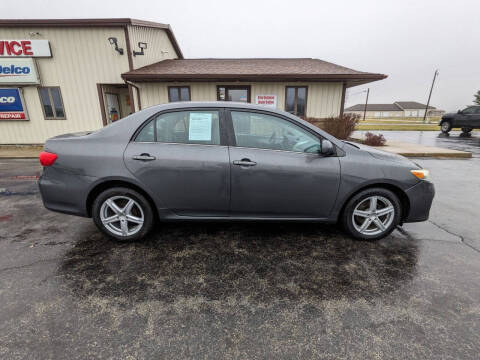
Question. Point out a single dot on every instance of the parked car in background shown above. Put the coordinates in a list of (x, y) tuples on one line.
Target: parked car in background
[(466, 119), (228, 161)]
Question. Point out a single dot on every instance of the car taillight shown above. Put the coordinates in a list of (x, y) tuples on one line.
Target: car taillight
[(47, 158)]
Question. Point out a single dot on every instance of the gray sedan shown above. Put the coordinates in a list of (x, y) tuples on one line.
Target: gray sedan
[(228, 161)]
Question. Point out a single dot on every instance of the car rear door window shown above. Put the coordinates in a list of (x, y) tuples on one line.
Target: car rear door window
[(147, 134), (263, 131), (184, 127)]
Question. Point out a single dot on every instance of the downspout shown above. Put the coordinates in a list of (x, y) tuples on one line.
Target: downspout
[(138, 94)]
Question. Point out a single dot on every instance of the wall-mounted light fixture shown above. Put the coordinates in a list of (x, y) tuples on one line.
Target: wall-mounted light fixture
[(142, 46), (114, 41)]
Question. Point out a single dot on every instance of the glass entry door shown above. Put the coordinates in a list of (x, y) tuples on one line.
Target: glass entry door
[(233, 93)]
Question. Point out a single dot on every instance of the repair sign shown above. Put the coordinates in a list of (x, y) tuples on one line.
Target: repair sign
[(11, 104)]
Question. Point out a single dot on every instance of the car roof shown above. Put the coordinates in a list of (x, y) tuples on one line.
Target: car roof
[(221, 104)]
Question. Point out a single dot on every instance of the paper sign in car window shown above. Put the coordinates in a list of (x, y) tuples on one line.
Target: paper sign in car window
[(200, 128)]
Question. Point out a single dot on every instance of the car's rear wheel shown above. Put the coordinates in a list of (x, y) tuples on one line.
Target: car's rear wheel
[(466, 130), (446, 126), (372, 214), (123, 214)]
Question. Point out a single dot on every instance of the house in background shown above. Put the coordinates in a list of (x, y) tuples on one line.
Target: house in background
[(399, 109)]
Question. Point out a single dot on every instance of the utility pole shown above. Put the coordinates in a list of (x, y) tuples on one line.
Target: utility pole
[(366, 103), (430, 95)]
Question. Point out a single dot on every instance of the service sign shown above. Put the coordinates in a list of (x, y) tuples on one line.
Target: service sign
[(18, 71), (266, 100), (11, 105), (25, 48)]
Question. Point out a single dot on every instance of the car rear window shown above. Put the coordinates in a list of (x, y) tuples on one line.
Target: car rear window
[(184, 127)]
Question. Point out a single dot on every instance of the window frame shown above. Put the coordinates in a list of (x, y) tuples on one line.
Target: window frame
[(178, 87), (233, 142), (296, 98), (55, 117), (221, 124), (235, 87)]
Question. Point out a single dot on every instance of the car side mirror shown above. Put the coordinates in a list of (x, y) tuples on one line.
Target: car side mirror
[(327, 148), (459, 111)]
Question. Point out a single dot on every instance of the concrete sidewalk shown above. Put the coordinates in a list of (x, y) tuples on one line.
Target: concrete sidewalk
[(417, 150), (20, 151)]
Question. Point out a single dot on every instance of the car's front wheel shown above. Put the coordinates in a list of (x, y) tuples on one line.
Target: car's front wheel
[(123, 214), (466, 130), (446, 126), (372, 214)]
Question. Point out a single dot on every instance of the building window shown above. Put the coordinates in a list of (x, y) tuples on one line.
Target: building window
[(178, 93), (296, 100), (52, 103), (233, 93)]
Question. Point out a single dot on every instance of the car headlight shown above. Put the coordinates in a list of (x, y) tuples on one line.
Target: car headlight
[(421, 174)]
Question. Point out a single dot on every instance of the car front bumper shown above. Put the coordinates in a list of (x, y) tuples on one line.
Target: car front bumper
[(420, 197)]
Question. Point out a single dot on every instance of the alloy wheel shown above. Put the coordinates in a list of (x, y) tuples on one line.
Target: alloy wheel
[(373, 215), (122, 215)]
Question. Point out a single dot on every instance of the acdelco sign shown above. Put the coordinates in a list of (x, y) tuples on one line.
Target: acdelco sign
[(7, 99), (11, 105), (18, 71), (14, 70), (25, 48)]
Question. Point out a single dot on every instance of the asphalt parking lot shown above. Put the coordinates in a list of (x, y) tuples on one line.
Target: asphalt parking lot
[(243, 290)]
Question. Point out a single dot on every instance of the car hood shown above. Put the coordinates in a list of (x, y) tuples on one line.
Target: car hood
[(449, 115), (384, 155)]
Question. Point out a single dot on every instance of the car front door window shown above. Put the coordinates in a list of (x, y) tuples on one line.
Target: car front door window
[(263, 131)]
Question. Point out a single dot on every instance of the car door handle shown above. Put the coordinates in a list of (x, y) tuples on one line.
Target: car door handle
[(244, 162), (143, 157)]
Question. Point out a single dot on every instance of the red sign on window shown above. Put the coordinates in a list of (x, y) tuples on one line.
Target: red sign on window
[(266, 100)]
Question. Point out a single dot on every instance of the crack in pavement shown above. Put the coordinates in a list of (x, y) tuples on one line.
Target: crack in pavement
[(405, 232), (462, 239)]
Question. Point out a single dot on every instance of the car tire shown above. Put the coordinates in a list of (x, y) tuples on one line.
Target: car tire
[(123, 214), (387, 204), (446, 126), (466, 130)]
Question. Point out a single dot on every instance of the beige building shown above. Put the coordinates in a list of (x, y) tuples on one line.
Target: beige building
[(62, 76), (399, 109)]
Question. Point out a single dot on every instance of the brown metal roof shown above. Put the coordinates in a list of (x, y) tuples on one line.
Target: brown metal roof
[(412, 105), (374, 107), (249, 70), (396, 106), (106, 22)]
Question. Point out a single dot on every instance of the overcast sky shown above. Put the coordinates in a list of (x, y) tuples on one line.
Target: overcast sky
[(407, 40)]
